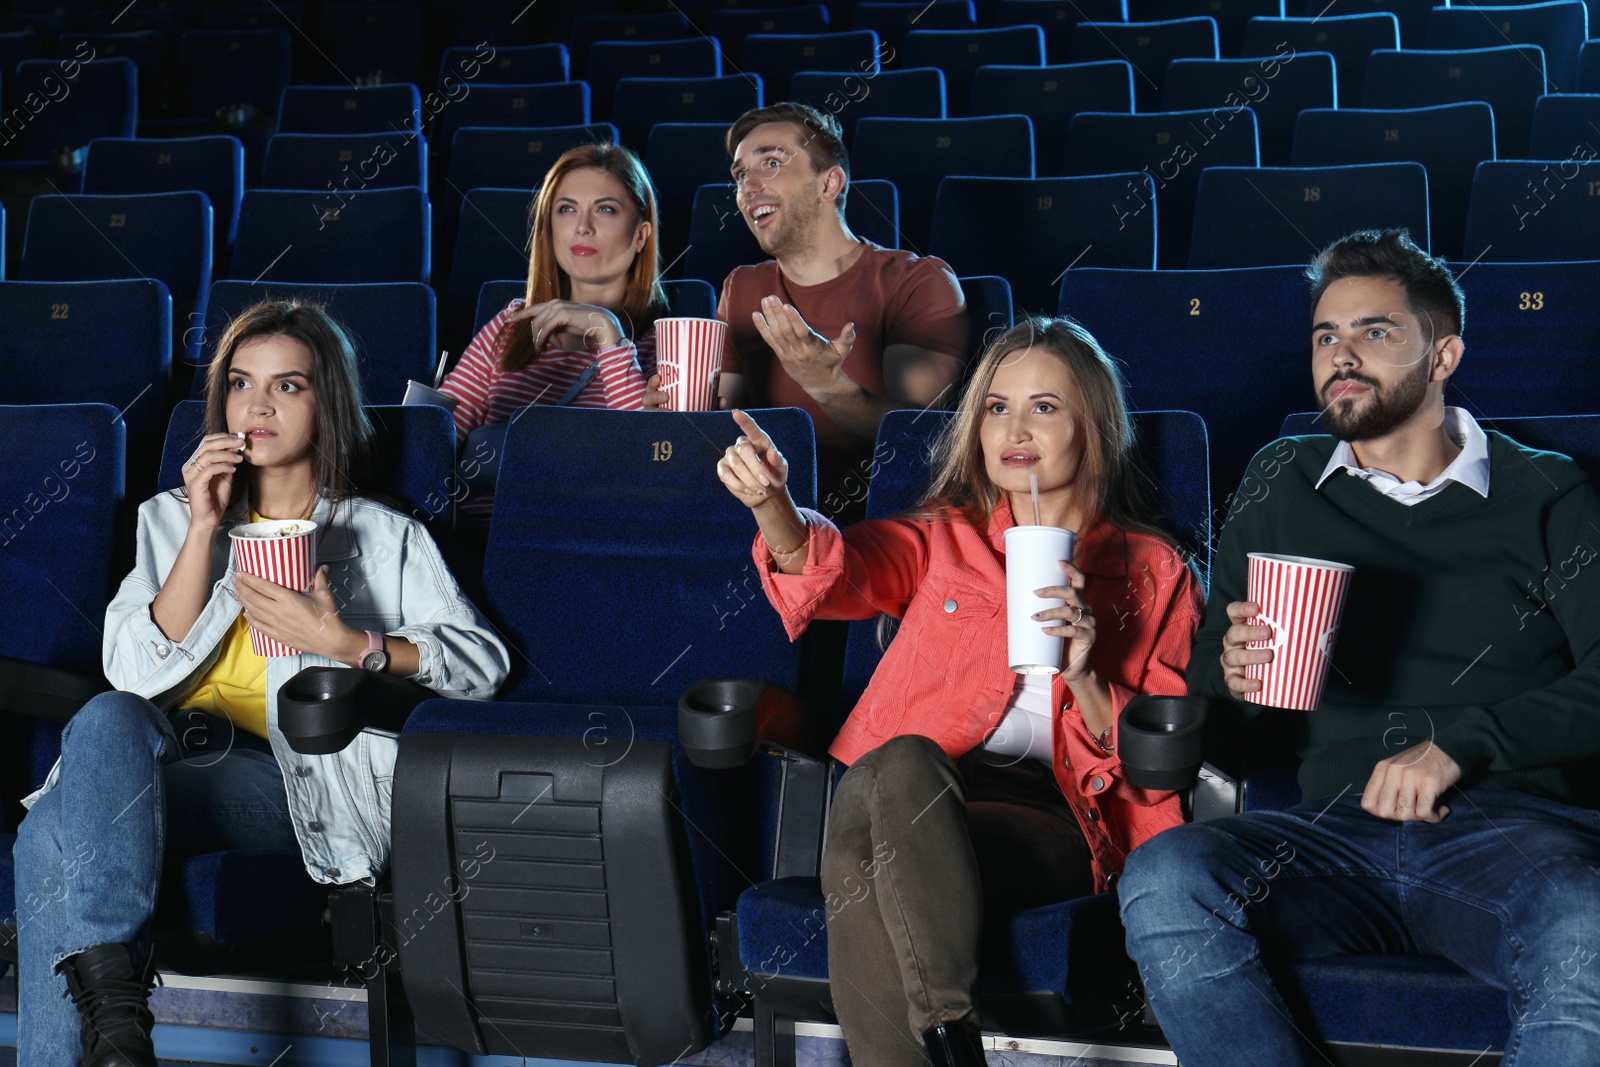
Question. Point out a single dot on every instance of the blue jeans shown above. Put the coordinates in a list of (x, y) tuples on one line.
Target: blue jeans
[(89, 853), (1507, 886)]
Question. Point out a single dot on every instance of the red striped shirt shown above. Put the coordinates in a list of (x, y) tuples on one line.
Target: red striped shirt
[(488, 396)]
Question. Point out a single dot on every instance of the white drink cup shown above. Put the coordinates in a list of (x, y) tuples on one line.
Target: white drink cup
[(418, 393), (1301, 600), (1033, 561), (689, 359), (282, 551)]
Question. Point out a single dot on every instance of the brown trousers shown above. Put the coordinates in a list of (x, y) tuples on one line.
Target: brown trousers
[(918, 852)]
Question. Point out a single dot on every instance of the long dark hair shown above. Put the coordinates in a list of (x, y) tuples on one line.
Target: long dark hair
[(342, 453), (1113, 482)]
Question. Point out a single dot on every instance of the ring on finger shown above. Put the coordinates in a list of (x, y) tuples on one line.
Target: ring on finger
[(1080, 616)]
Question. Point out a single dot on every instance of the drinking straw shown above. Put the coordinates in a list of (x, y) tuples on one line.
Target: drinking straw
[(1033, 483)]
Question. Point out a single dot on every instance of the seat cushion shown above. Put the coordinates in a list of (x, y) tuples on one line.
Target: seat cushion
[(783, 930), (1412, 1001)]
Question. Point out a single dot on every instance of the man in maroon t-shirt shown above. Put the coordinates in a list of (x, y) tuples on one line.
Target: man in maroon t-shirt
[(835, 324)]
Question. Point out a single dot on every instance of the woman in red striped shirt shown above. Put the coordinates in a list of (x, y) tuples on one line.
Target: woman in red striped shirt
[(584, 334)]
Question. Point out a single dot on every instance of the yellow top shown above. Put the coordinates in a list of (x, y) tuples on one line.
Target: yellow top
[(236, 685)]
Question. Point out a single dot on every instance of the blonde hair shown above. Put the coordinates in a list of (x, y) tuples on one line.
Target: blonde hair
[(645, 300), (1109, 472)]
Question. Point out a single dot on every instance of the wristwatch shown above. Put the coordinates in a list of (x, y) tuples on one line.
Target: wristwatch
[(373, 657)]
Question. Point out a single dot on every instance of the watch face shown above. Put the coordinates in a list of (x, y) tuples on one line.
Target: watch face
[(375, 661)]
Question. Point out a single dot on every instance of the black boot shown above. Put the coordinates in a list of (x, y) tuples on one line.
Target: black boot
[(114, 1000), (950, 1045)]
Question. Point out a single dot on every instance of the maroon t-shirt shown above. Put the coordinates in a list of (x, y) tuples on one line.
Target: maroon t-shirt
[(893, 297)]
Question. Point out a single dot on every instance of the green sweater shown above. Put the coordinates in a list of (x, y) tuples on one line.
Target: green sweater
[(1474, 622)]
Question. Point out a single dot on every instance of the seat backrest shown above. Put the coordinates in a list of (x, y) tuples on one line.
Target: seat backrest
[(540, 104), (600, 508), (1564, 125), (391, 325), (611, 61), (990, 311), (1276, 86), (959, 53), (1267, 216), (1577, 436), (372, 235), (508, 157), (1509, 79), (640, 103), (1532, 338), (1050, 96), (1058, 19), (916, 153), (146, 48), (350, 109), (415, 445), (1350, 39), (524, 64), (1175, 148), (681, 157), (1558, 27), (1181, 313), (1533, 212), (1231, 17), (914, 93), (588, 29), (86, 100), (1589, 67), (166, 236), (126, 324), (894, 20), (222, 68), (732, 25), (777, 57), (1448, 140), (491, 242), (1149, 46), (345, 161), (686, 298), (719, 239), (214, 165), (1046, 230), (1172, 452)]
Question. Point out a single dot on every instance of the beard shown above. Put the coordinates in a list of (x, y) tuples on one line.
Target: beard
[(1386, 410), (796, 223)]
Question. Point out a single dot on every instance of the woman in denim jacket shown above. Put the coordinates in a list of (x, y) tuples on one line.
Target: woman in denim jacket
[(286, 439)]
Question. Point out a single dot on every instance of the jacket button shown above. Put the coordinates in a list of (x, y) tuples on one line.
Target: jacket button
[(331, 872), (1097, 783), (950, 607), (300, 771), (1111, 880), (1094, 816), (314, 826), (163, 651)]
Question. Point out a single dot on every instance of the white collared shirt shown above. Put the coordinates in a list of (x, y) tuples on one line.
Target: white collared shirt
[(1470, 468)]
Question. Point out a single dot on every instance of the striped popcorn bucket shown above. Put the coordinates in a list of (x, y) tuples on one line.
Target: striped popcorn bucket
[(281, 551), (689, 357), (1301, 600)]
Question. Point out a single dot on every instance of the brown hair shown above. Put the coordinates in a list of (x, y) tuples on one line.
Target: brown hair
[(1431, 290), (1110, 472), (645, 300), (821, 137), (342, 454)]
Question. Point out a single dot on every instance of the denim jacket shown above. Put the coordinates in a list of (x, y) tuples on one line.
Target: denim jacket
[(386, 575)]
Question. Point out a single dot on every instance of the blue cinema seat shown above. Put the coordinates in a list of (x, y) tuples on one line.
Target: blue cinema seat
[(492, 241), (1259, 319), (395, 108), (1032, 230), (1350, 39), (912, 93), (1058, 19), (612, 61), (1051, 970), (959, 53), (510, 65), (1530, 211), (1231, 16), (613, 844), (1558, 27), (61, 472), (1149, 46), (1050, 97), (1564, 125), (643, 102), (392, 325), (732, 25), (101, 101), (892, 21), (212, 165), (1268, 216), (1449, 140), (1508, 78), (778, 57), (538, 104), (1277, 90), (345, 162), (372, 235)]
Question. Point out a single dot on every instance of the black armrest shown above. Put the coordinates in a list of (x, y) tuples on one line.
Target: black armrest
[(322, 709), (45, 692)]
